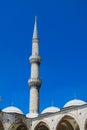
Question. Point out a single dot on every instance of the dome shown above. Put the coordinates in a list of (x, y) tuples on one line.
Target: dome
[(12, 109), (51, 109), (32, 115), (74, 102)]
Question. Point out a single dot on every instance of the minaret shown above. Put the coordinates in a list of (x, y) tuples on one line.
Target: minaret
[(34, 81)]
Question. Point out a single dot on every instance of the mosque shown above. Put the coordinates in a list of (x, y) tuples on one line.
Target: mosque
[(73, 116)]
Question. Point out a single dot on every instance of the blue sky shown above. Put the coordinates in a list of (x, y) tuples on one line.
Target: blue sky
[(62, 27)]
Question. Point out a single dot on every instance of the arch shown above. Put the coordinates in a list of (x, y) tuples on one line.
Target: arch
[(1, 126), (67, 123), (85, 125), (41, 126), (18, 126), (84, 120)]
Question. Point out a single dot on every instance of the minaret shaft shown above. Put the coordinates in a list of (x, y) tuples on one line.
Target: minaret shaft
[(34, 71), (34, 81), (35, 47), (34, 100)]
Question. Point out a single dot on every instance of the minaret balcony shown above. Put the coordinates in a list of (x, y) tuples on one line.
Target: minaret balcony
[(34, 82), (35, 58), (35, 40)]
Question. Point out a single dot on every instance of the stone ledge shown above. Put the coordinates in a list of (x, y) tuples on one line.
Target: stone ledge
[(36, 59), (34, 82)]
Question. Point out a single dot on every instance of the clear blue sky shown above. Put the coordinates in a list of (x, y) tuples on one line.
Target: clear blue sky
[(62, 27)]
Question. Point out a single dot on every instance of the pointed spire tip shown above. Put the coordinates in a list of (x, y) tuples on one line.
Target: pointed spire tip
[(35, 32)]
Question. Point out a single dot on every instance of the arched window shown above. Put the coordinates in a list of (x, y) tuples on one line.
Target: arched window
[(19, 126), (42, 126), (1, 126), (22, 127), (86, 124), (67, 123)]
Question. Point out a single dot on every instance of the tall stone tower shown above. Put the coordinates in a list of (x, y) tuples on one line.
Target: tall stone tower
[(34, 81)]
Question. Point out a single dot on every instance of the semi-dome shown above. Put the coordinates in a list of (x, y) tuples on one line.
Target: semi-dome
[(12, 109), (74, 102), (51, 109)]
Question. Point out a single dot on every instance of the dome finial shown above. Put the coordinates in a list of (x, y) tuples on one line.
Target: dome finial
[(12, 103), (0, 101), (75, 96), (52, 103), (35, 32)]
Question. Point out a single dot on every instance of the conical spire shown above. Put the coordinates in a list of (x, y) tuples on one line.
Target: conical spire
[(35, 32)]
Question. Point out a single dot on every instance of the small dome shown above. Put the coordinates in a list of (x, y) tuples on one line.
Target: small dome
[(32, 115), (74, 102), (51, 109), (12, 109)]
